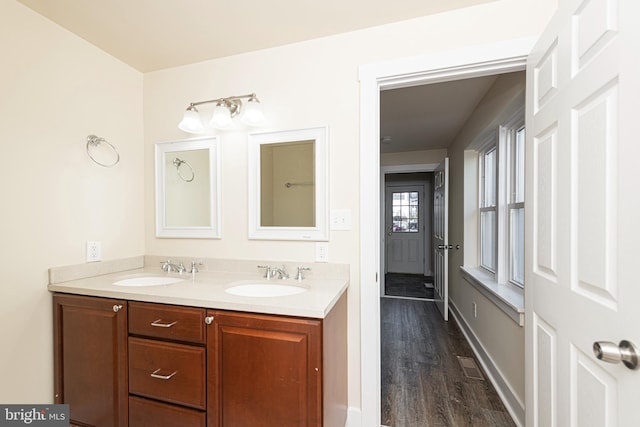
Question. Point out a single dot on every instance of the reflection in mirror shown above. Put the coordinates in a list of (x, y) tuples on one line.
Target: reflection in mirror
[(187, 188), (288, 185), (187, 184)]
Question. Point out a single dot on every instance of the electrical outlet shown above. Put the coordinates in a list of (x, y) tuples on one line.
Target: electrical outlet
[(322, 252), (94, 251), (475, 309)]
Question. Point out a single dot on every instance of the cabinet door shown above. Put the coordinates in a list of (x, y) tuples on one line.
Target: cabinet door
[(90, 359), (264, 371)]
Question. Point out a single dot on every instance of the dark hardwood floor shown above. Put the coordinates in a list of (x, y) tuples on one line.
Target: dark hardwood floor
[(423, 384)]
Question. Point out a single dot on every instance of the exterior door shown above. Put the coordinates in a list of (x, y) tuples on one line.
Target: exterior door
[(582, 229), (405, 229), (441, 238)]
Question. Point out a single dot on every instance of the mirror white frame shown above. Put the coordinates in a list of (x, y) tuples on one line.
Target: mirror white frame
[(213, 229), (319, 232)]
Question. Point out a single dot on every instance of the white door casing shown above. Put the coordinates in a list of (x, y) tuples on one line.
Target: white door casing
[(441, 238), (405, 245), (582, 214)]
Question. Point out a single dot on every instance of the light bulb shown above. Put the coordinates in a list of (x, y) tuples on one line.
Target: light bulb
[(253, 115), (221, 116), (191, 121)]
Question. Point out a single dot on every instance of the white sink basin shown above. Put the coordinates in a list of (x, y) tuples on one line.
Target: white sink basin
[(147, 281), (264, 290)]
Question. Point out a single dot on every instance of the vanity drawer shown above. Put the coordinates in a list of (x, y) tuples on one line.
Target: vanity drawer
[(166, 371), (167, 321), (149, 413)]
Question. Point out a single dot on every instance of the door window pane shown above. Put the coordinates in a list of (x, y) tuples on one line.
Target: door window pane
[(405, 210)]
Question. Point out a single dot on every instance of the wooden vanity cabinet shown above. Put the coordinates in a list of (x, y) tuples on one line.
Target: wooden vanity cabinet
[(167, 366), (264, 371), (90, 359), (138, 364)]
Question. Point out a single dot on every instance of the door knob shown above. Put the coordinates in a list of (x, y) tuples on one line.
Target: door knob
[(624, 352)]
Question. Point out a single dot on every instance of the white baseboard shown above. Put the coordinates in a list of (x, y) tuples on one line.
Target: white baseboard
[(506, 394)]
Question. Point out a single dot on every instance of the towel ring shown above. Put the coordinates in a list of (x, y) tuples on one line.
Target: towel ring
[(177, 163), (94, 142)]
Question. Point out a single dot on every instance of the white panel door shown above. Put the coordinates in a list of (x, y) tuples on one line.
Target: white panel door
[(582, 213), (441, 238), (405, 229)]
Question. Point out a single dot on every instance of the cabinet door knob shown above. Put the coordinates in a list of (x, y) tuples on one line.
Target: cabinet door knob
[(208, 320), (117, 308)]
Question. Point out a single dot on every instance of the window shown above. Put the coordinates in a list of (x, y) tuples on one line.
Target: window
[(501, 203), (515, 206), (488, 206), (405, 212)]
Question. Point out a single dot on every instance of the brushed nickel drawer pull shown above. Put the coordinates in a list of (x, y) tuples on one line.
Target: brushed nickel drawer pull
[(155, 374), (159, 323)]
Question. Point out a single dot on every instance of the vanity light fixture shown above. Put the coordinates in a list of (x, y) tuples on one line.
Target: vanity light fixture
[(224, 111)]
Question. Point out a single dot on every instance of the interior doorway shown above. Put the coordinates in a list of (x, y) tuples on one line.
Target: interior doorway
[(451, 65), (407, 229)]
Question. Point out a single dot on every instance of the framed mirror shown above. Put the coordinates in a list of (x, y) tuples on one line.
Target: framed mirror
[(288, 185), (188, 188)]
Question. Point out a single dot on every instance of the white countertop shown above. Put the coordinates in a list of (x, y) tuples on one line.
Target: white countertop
[(207, 290)]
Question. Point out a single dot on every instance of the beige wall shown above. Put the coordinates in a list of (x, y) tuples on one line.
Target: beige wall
[(55, 89), (303, 85), (425, 157), (501, 337)]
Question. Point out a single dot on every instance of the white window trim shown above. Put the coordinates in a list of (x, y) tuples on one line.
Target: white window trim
[(507, 137)]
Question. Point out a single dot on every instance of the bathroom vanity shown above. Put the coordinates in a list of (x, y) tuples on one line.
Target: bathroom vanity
[(158, 356)]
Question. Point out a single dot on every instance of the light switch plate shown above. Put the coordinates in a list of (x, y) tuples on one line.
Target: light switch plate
[(340, 219)]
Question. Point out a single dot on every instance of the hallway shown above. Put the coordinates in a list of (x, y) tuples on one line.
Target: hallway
[(423, 383)]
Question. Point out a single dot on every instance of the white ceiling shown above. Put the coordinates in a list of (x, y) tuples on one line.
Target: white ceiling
[(156, 34), (429, 116)]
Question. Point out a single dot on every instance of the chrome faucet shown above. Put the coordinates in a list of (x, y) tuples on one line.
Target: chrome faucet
[(272, 272), (194, 266), (168, 267), (299, 275), (275, 271)]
